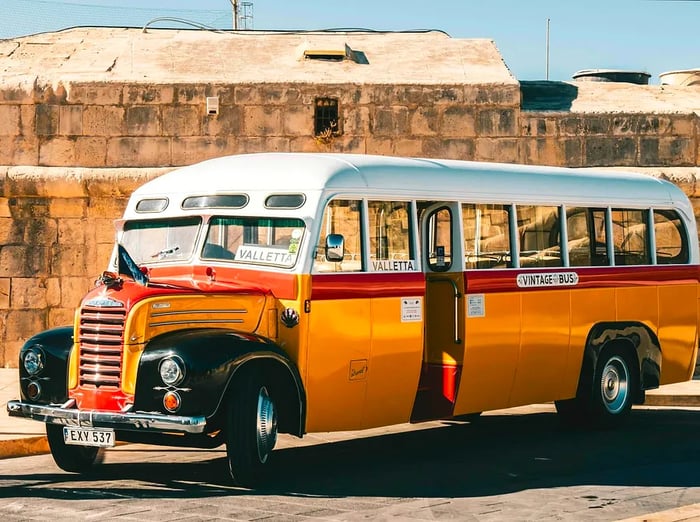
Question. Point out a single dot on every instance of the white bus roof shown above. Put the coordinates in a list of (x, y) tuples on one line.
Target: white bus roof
[(410, 178)]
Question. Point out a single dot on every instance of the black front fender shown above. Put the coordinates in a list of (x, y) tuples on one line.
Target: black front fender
[(56, 345), (211, 358)]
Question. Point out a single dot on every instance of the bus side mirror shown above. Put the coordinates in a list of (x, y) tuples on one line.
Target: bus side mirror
[(335, 247)]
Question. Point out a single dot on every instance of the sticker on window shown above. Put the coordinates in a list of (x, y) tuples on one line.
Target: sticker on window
[(393, 265), (265, 255)]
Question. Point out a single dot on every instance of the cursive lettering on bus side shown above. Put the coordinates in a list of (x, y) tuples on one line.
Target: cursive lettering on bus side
[(540, 279)]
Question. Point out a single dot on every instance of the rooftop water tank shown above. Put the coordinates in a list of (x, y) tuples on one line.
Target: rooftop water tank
[(612, 75), (683, 78)]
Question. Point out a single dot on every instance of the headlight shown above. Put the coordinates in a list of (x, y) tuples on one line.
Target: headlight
[(33, 360), (172, 370)]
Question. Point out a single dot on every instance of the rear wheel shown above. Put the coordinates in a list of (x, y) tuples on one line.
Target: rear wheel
[(613, 388), (251, 431), (75, 459)]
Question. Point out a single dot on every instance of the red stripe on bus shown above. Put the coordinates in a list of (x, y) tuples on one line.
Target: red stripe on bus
[(364, 285), (494, 281)]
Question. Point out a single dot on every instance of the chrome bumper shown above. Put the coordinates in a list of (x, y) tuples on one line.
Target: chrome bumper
[(143, 422)]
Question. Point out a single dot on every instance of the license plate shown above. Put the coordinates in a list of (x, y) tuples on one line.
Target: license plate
[(103, 438)]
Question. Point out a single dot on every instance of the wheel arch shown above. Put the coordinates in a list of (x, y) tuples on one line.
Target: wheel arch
[(284, 385), (632, 337)]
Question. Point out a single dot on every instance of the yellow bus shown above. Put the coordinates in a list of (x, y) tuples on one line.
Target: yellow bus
[(294, 293)]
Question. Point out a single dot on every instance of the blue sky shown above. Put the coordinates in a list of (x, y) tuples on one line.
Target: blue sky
[(647, 35)]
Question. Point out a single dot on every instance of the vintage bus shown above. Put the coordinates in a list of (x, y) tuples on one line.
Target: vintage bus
[(294, 293)]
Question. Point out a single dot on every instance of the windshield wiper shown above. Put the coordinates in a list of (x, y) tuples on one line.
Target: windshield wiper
[(166, 252)]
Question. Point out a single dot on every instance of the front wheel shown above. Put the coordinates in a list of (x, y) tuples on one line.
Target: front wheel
[(75, 459), (251, 431)]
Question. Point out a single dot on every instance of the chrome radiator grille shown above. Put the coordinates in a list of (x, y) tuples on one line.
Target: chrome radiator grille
[(101, 341)]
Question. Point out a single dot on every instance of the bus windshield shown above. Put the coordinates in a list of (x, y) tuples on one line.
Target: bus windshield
[(254, 240), (161, 241)]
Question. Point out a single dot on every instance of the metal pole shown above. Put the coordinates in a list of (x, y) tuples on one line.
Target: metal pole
[(547, 53), (234, 4)]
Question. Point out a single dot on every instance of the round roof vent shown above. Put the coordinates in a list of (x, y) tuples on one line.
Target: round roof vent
[(612, 75)]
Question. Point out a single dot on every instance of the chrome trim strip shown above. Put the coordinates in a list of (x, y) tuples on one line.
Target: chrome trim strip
[(199, 321), (144, 422), (187, 312)]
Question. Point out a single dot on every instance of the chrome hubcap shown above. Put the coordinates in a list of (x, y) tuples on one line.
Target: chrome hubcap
[(614, 384), (266, 426)]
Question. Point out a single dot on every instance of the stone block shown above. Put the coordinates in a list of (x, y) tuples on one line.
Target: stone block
[(23, 93), (259, 144), (70, 120), (4, 209), (143, 120), (138, 152), (46, 119), (541, 151), (458, 122), (191, 150), (596, 124), (74, 231), (27, 208), (25, 151), (27, 231), (181, 120), (53, 291), (73, 289), (351, 96), (683, 125), (497, 94), (354, 121), (496, 122), (27, 120), (248, 95), (57, 152), (229, 122), (9, 120), (7, 150), (189, 94), (610, 151), (91, 151), (22, 324), (60, 317), (571, 152), (148, 94), (424, 121), (454, 148), (539, 126), (571, 126), (503, 150), (28, 293), (298, 120), (392, 121), (117, 184), (444, 95), (104, 121), (95, 93), (262, 121), (23, 260), (11, 351), (106, 208), (305, 144), (672, 151), (5, 288), (380, 146), (71, 260)]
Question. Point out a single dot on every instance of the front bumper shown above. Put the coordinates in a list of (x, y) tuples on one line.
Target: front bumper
[(66, 415)]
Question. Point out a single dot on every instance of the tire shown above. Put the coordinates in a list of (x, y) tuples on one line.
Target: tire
[(74, 459), (613, 388), (251, 431), (571, 411)]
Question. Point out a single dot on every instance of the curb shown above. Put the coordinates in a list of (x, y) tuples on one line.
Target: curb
[(690, 401), (684, 513), (23, 447)]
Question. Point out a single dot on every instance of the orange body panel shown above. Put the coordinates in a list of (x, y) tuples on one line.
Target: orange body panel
[(677, 331)]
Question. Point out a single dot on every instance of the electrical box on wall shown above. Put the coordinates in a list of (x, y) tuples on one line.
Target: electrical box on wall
[(212, 105)]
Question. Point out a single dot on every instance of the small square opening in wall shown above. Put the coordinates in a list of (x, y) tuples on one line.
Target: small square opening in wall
[(326, 117)]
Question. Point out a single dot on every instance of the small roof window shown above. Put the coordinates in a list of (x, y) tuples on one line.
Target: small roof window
[(216, 201), (152, 205), (285, 201), (336, 55)]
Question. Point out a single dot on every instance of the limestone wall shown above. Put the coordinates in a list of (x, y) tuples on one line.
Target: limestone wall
[(71, 154)]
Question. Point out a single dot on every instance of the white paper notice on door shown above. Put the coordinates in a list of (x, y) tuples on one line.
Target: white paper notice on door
[(475, 305)]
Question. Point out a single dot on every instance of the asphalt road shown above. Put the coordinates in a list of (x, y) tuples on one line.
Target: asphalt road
[(502, 467)]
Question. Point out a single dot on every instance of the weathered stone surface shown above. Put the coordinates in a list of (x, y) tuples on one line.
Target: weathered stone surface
[(458, 122)]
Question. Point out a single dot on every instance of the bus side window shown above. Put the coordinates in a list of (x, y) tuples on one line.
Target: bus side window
[(671, 238), (630, 237), (390, 236), (341, 217), (579, 239), (538, 228), (486, 236)]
